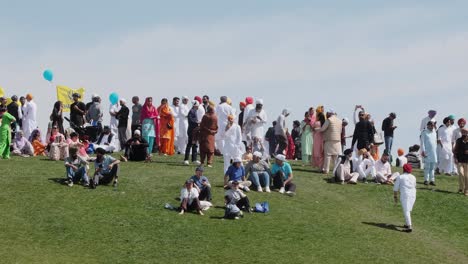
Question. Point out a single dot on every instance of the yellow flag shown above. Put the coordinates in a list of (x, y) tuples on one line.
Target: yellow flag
[(2, 92), (65, 93)]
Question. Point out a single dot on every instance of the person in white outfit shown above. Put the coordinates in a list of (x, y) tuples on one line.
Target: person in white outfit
[(29, 117), (445, 147), (232, 138), (223, 110), (255, 122), (383, 170), (405, 184), (114, 122), (365, 165), (343, 170), (181, 123)]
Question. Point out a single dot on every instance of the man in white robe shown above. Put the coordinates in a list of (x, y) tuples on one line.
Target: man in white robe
[(232, 137), (248, 108), (175, 107), (383, 170), (256, 120), (405, 184), (445, 146), (29, 117), (429, 152), (107, 140), (364, 165), (223, 110), (114, 122), (182, 138)]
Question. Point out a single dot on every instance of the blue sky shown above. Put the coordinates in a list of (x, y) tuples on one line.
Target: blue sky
[(401, 56)]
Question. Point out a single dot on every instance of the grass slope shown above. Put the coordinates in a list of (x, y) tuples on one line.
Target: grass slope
[(44, 221)]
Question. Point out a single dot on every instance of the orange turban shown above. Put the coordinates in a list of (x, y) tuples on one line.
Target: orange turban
[(29, 96), (400, 152)]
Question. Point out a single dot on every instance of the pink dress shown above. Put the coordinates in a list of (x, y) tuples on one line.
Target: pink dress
[(317, 149)]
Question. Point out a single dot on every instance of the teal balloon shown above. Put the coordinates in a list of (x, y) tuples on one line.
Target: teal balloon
[(48, 75), (113, 98)]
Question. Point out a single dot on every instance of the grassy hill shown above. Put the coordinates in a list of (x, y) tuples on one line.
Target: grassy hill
[(44, 221)]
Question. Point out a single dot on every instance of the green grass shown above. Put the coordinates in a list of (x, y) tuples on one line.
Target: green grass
[(44, 221)]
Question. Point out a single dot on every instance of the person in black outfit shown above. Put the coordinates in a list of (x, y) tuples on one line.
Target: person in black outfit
[(296, 136), (122, 116), (460, 152), (77, 111), (388, 128), (363, 133), (136, 148), (192, 127), (270, 137), (56, 116), (14, 110)]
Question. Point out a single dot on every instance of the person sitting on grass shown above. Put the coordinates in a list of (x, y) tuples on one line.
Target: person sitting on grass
[(344, 167), (106, 140), (202, 183), (36, 141), (136, 148), (189, 198), (74, 142), (106, 169), (405, 184), (383, 170), (21, 146), (283, 175), (413, 157), (401, 160), (365, 165), (76, 168), (258, 171), (235, 200), (236, 172), (58, 148)]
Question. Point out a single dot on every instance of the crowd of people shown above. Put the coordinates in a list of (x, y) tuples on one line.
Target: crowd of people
[(201, 128)]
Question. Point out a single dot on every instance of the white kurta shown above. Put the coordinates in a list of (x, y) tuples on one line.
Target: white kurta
[(114, 122), (108, 148), (233, 146), (29, 118), (222, 112), (445, 135), (176, 113), (255, 123), (406, 185)]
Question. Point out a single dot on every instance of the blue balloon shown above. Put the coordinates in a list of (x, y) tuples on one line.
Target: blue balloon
[(113, 98), (48, 75)]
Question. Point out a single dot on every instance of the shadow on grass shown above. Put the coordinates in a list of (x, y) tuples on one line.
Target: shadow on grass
[(58, 180), (304, 169), (330, 180), (384, 226), (435, 190)]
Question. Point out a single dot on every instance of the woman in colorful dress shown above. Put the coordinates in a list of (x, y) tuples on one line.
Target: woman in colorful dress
[(150, 124), (166, 128), (208, 130), (5, 132), (36, 141), (306, 139), (317, 152)]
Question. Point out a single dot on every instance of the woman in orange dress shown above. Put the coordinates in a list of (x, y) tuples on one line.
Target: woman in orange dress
[(166, 125), (36, 141)]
